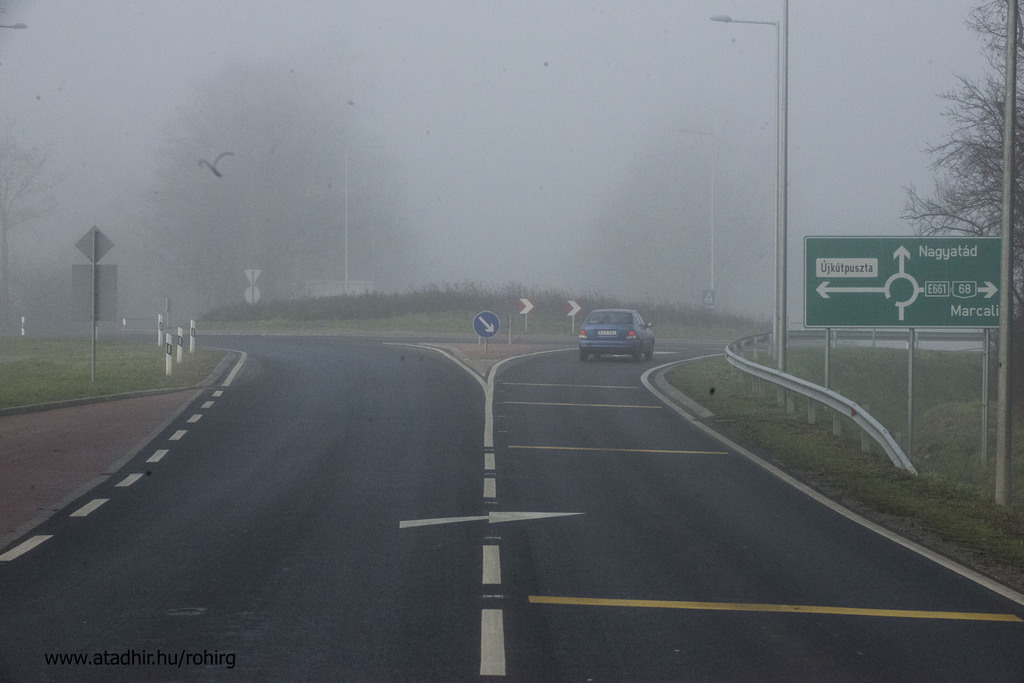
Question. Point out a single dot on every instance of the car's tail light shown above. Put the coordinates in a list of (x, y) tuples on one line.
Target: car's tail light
[(583, 334), (631, 334)]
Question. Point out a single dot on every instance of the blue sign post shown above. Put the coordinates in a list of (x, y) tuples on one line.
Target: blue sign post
[(486, 324)]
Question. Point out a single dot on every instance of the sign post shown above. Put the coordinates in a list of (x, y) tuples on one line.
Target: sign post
[(573, 309), (486, 325), (101, 286), (252, 292), (525, 306)]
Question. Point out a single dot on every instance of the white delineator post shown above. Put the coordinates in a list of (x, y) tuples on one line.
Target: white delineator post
[(169, 364), (191, 336), (181, 342), (159, 329)]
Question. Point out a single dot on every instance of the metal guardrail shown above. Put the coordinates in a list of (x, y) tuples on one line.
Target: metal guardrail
[(826, 397)]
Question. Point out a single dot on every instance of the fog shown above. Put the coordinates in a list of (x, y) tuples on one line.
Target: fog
[(617, 147)]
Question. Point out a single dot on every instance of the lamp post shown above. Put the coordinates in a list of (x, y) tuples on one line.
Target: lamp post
[(710, 133), (779, 324)]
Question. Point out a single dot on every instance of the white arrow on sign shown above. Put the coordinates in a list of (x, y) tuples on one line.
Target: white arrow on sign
[(989, 289), (488, 327), (525, 306), (574, 308), (490, 518), (824, 290)]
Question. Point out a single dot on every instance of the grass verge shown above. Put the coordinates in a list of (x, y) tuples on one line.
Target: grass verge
[(950, 514), (34, 371)]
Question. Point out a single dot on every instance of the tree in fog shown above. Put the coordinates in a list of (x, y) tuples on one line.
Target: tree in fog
[(278, 203), (967, 197), (23, 186)]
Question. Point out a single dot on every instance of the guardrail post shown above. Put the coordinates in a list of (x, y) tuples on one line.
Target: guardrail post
[(865, 444)]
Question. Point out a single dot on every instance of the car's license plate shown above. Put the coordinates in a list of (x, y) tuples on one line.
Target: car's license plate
[(607, 333)]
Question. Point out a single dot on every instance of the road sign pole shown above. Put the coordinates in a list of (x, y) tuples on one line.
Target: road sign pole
[(910, 393), (1004, 429), (984, 393), (828, 357), (93, 257)]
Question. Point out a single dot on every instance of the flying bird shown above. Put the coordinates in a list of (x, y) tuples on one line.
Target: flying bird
[(213, 166)]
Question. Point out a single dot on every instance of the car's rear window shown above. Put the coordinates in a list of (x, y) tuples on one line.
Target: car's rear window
[(609, 317)]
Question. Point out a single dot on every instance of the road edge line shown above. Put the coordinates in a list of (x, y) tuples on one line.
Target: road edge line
[(888, 534)]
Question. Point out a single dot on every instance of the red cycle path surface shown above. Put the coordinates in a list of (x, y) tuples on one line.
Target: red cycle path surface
[(49, 455)]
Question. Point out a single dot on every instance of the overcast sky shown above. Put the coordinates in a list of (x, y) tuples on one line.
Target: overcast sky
[(514, 122)]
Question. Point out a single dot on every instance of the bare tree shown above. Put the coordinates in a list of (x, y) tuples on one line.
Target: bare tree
[(22, 184), (968, 192), (278, 202)]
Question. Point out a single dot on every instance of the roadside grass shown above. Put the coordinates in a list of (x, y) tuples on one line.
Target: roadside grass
[(449, 309), (44, 370), (949, 505), (459, 324)]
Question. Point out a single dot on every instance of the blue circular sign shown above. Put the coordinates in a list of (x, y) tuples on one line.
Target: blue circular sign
[(486, 324)]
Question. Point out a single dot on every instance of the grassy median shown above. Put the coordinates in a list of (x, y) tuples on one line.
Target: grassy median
[(948, 505), (34, 371)]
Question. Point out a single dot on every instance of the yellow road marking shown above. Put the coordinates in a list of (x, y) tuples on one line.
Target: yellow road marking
[(580, 405), (617, 450), (754, 607)]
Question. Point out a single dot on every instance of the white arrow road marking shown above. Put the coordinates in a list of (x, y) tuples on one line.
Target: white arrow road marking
[(492, 518)]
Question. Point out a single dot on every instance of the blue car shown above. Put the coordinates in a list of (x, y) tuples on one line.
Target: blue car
[(618, 331)]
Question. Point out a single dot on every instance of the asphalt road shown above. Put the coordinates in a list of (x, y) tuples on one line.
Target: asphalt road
[(354, 511)]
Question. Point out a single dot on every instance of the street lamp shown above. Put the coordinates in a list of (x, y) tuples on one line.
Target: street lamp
[(779, 324), (710, 133)]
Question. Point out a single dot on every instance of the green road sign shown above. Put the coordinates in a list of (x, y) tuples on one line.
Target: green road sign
[(901, 281)]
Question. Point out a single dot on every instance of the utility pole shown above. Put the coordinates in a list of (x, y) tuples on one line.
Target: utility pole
[(1004, 420)]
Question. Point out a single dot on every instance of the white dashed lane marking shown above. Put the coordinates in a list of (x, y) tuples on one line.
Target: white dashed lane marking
[(492, 565), (157, 456), (88, 507), (23, 547), (178, 434), (492, 643), (130, 479)]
